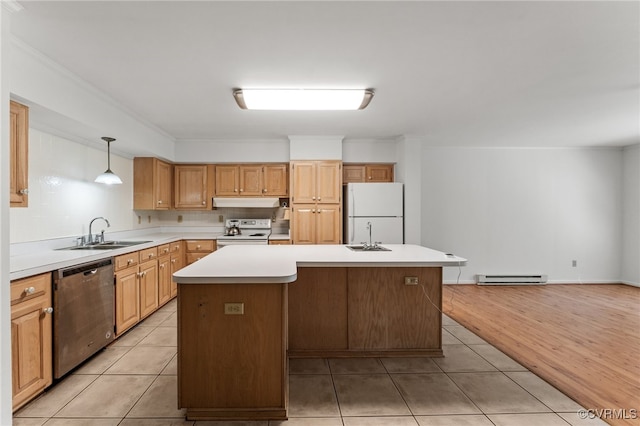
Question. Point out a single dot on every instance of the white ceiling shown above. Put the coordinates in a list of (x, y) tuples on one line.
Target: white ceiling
[(453, 73)]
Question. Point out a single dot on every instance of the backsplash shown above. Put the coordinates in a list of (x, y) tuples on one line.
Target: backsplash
[(63, 197)]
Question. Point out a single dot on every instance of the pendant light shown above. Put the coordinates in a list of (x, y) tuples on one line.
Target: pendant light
[(108, 177)]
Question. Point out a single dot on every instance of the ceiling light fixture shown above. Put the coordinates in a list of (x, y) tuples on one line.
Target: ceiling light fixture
[(108, 177), (303, 99)]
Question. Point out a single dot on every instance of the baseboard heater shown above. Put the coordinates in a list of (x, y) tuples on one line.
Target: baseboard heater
[(511, 279)]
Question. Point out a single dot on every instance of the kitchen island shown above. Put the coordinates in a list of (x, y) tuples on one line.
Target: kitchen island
[(244, 310)]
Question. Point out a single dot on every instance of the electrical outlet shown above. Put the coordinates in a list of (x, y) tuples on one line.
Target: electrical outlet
[(410, 280), (149, 218), (234, 308), (139, 219), (574, 263), (220, 218), (179, 218)]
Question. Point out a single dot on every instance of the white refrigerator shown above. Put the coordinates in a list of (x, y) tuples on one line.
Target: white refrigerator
[(374, 207)]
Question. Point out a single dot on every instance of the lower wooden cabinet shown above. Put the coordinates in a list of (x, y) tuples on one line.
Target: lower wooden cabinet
[(31, 337), (127, 299), (197, 249), (176, 263), (148, 277), (164, 279), (279, 242)]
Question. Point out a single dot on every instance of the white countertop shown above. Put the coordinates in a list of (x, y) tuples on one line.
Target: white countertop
[(279, 263), (47, 259)]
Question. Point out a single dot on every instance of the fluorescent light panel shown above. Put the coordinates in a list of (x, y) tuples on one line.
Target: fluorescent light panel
[(303, 99)]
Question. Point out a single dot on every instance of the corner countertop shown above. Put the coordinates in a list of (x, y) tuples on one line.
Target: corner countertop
[(279, 263), (43, 259)]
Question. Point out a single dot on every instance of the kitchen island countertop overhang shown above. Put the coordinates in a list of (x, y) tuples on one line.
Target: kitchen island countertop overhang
[(278, 263)]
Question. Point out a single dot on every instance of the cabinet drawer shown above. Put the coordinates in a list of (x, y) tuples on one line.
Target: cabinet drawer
[(148, 254), (279, 242), (125, 260), (206, 246), (30, 288), (164, 249), (192, 257), (176, 247)]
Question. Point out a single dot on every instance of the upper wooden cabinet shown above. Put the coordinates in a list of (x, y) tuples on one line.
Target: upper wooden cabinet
[(193, 186), (19, 154), (316, 182), (251, 180), (367, 173), (151, 184), (316, 188)]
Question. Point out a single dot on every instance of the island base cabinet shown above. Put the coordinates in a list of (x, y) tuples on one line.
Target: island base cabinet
[(386, 313), (365, 312), (232, 362)]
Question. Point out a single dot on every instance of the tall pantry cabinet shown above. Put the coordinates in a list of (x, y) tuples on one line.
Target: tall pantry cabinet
[(316, 195)]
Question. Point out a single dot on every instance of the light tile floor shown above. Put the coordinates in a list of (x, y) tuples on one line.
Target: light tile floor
[(133, 383)]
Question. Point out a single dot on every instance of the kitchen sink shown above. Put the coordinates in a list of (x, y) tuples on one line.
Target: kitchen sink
[(368, 248), (107, 245)]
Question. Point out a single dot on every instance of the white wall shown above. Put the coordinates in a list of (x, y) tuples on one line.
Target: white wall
[(369, 151), (315, 147), (5, 309), (631, 216), (233, 151), (80, 108), (63, 197), (525, 211)]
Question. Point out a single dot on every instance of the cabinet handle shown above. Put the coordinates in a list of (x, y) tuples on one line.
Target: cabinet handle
[(150, 255), (241, 190), (162, 266), (129, 261), (319, 198), (313, 198), (235, 190), (313, 210), (204, 203), (166, 250), (48, 310), (30, 290), (369, 177), (319, 211), (24, 191), (198, 246), (264, 191), (159, 201), (173, 261)]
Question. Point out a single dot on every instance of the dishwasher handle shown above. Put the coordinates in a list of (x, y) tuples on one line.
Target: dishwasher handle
[(91, 272)]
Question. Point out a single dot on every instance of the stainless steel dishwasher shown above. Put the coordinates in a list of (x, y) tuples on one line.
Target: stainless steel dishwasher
[(83, 315)]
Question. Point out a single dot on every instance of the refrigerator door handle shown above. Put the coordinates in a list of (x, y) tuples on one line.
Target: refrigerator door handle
[(352, 216)]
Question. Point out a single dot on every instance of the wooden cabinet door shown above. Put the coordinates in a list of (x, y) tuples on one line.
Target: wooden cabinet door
[(148, 287), (164, 280), (19, 152), (303, 223), (303, 182), (328, 224), (251, 181), (227, 180), (275, 180), (31, 345), (190, 188), (163, 185), (329, 182), (175, 264), (127, 299), (379, 173), (353, 173)]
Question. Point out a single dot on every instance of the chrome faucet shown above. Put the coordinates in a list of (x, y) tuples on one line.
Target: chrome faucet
[(90, 236), (371, 245)]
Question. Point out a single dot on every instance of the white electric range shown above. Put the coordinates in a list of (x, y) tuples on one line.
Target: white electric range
[(251, 231)]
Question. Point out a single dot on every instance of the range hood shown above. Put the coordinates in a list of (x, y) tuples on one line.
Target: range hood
[(246, 202)]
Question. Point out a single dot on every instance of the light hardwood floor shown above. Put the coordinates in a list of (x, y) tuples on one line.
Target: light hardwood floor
[(583, 339)]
